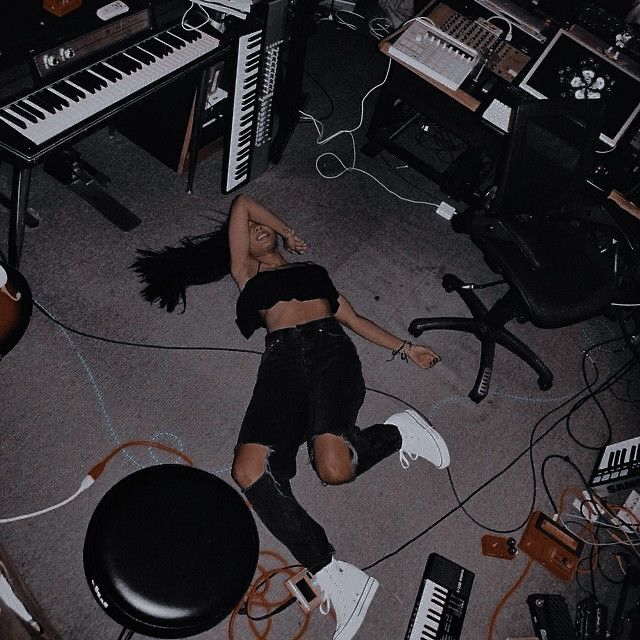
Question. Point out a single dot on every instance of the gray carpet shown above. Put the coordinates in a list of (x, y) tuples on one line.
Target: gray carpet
[(68, 400)]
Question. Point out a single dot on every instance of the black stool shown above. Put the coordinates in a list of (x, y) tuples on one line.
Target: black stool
[(169, 552)]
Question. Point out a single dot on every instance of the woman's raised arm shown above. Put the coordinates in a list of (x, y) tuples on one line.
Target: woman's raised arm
[(244, 210)]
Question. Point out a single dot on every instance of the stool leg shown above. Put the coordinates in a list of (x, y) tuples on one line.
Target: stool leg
[(125, 634)]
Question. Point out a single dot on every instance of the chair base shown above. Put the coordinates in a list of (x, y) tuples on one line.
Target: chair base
[(488, 326)]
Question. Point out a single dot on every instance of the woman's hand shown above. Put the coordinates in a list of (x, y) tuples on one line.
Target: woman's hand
[(421, 355), (293, 243)]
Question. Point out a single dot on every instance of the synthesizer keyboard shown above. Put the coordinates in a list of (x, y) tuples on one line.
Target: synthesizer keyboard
[(58, 107), (435, 54), (441, 604), (248, 142), (617, 467), (244, 107), (62, 80)]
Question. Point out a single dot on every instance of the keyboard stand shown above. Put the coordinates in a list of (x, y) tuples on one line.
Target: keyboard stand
[(87, 182)]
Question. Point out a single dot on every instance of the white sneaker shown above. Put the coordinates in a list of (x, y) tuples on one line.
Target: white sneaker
[(419, 439), (350, 591)]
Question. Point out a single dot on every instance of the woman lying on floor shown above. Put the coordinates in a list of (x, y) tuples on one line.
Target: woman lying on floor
[(309, 387)]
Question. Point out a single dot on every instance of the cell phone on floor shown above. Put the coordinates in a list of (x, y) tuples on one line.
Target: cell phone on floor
[(304, 591)]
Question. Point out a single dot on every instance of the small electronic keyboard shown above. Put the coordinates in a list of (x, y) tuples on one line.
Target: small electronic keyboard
[(617, 467), (441, 604)]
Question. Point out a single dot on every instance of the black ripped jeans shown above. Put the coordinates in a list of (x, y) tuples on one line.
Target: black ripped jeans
[(309, 383)]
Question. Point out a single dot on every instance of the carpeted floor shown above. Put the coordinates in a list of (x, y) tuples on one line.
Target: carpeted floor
[(69, 399)]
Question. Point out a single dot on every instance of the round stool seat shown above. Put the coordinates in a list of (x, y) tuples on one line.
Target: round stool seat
[(170, 550)]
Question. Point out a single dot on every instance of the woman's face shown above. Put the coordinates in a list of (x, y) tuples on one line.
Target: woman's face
[(262, 239)]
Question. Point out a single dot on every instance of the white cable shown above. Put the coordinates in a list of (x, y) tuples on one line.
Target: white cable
[(379, 27), (625, 304), (185, 25), (501, 17), (349, 25), (607, 525), (320, 130), (86, 483)]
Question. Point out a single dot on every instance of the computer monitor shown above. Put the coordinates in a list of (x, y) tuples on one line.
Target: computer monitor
[(569, 67)]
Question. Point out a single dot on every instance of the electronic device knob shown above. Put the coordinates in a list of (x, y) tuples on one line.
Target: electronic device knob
[(67, 53), (50, 60)]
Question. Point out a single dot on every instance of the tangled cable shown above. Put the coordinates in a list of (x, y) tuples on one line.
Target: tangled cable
[(257, 597)]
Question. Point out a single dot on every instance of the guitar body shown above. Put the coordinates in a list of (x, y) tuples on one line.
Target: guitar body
[(16, 305)]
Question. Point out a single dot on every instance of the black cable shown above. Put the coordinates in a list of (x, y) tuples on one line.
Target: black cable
[(585, 377), (529, 450), (566, 459), (532, 442), (580, 562), (326, 93), (143, 345), (602, 572)]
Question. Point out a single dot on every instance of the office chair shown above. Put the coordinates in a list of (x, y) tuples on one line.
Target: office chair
[(537, 235), (169, 551)]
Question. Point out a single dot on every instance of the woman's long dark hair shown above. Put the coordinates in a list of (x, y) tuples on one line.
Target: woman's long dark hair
[(168, 272)]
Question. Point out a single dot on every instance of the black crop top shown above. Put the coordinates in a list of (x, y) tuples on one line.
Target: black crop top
[(301, 281)]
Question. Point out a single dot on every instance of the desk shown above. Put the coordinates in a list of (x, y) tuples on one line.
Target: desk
[(456, 110), (409, 95)]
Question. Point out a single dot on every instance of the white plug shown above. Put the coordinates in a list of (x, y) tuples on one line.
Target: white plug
[(588, 508), (446, 210)]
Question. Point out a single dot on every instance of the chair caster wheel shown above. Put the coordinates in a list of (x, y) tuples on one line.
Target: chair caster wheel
[(545, 384), (450, 282)]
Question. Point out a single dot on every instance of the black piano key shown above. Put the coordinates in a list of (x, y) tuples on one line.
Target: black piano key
[(616, 458), (610, 461), (163, 46), (189, 35), (57, 101), (623, 455), (42, 102), (23, 113), (141, 55), (106, 72), (157, 47), (12, 118), (82, 81), (122, 63), (171, 40), (128, 63), (69, 90), (32, 110), (100, 83)]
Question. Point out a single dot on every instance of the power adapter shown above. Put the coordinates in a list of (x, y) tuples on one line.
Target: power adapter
[(446, 210)]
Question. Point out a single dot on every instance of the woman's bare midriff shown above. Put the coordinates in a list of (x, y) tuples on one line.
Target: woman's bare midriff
[(289, 313)]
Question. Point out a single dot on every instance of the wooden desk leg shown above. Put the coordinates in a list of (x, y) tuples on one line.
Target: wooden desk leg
[(198, 113), (17, 211)]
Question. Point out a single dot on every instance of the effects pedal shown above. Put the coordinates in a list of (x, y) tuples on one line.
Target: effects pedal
[(552, 545), (499, 547)]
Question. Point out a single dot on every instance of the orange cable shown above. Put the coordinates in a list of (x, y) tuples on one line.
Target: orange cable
[(256, 597), (96, 471), (512, 590)]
